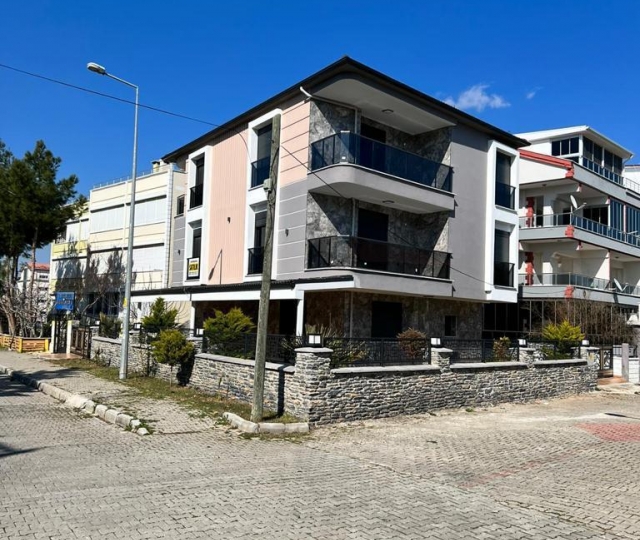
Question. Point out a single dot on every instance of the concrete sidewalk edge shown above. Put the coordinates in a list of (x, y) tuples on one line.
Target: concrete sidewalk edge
[(78, 402)]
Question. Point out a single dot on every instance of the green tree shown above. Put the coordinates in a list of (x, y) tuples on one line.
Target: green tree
[(35, 206), (160, 318), (172, 348), (224, 331)]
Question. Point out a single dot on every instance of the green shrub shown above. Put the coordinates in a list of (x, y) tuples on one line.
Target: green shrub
[(160, 318), (172, 348), (224, 331), (564, 336)]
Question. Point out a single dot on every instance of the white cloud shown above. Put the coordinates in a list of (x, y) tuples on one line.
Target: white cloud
[(477, 98), (532, 93)]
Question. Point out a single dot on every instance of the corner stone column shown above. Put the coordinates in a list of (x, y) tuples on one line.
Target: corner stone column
[(527, 355), (441, 358), (308, 388)]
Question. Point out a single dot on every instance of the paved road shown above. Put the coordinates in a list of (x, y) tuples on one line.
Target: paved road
[(564, 470)]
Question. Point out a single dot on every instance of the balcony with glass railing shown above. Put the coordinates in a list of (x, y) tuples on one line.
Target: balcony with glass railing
[(577, 280), (354, 252), (581, 223), (350, 148)]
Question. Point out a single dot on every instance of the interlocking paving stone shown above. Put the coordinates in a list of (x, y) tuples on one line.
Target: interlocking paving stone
[(515, 472)]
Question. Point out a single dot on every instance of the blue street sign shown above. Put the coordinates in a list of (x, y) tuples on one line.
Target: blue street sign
[(65, 301)]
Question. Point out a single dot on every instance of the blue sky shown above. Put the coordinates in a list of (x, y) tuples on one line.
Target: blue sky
[(519, 65)]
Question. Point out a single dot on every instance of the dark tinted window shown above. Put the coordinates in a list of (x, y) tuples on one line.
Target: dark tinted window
[(180, 206), (503, 169)]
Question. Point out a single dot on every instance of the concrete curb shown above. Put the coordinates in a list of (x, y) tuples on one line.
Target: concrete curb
[(272, 428), (78, 402)]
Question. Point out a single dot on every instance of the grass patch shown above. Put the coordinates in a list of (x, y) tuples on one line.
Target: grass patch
[(200, 405)]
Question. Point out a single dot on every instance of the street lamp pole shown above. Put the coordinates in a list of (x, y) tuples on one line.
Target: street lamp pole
[(124, 359)]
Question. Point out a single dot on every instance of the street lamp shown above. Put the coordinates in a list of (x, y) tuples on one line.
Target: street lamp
[(100, 70)]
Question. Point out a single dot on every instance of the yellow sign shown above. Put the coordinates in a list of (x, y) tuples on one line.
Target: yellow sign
[(193, 268)]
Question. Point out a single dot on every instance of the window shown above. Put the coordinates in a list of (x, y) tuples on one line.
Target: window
[(260, 229), (633, 220), (565, 146), (592, 151), (180, 205), (505, 194), (151, 211), (503, 168), (617, 216), (199, 165), (502, 268), (196, 192), (107, 219), (197, 242), (148, 258), (260, 167), (450, 325), (599, 214)]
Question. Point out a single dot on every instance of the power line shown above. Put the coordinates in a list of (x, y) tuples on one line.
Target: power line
[(102, 94)]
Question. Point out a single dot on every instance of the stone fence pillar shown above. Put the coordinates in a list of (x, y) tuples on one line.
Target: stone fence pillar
[(441, 358), (527, 355), (590, 354), (307, 396)]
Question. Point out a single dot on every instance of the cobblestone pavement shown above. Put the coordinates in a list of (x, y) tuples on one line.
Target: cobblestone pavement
[(562, 470), (163, 416), (576, 458)]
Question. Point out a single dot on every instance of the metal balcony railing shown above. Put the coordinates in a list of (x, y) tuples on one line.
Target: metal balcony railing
[(347, 147), (260, 171), (579, 222), (353, 252), (505, 195), (196, 195), (256, 258), (503, 274), (577, 280)]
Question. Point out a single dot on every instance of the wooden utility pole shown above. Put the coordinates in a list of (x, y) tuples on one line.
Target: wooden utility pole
[(270, 187)]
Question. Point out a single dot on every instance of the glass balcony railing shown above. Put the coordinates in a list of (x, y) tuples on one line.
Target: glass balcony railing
[(195, 196), (256, 258), (505, 195), (579, 222), (577, 280), (503, 274), (260, 171), (347, 147), (353, 252)]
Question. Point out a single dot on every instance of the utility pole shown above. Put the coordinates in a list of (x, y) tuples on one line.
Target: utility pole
[(270, 186)]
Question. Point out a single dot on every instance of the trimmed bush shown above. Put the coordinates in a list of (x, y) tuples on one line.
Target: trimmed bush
[(172, 348)]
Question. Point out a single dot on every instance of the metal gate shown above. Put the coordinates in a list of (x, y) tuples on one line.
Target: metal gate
[(60, 336), (604, 359), (81, 341)]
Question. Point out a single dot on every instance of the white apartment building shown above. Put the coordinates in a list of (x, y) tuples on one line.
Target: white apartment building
[(579, 226), (91, 257)]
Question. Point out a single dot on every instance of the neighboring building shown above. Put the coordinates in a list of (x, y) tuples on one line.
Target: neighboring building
[(579, 229), (394, 210), (91, 257), (41, 297)]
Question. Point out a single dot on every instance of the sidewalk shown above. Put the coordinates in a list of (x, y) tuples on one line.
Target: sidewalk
[(164, 416)]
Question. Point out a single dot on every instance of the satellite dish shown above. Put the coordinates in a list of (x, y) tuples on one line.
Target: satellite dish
[(573, 202), (617, 284)]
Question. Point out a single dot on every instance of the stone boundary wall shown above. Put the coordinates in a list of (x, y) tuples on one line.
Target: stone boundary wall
[(348, 394), (107, 352), (313, 391), (233, 378)]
